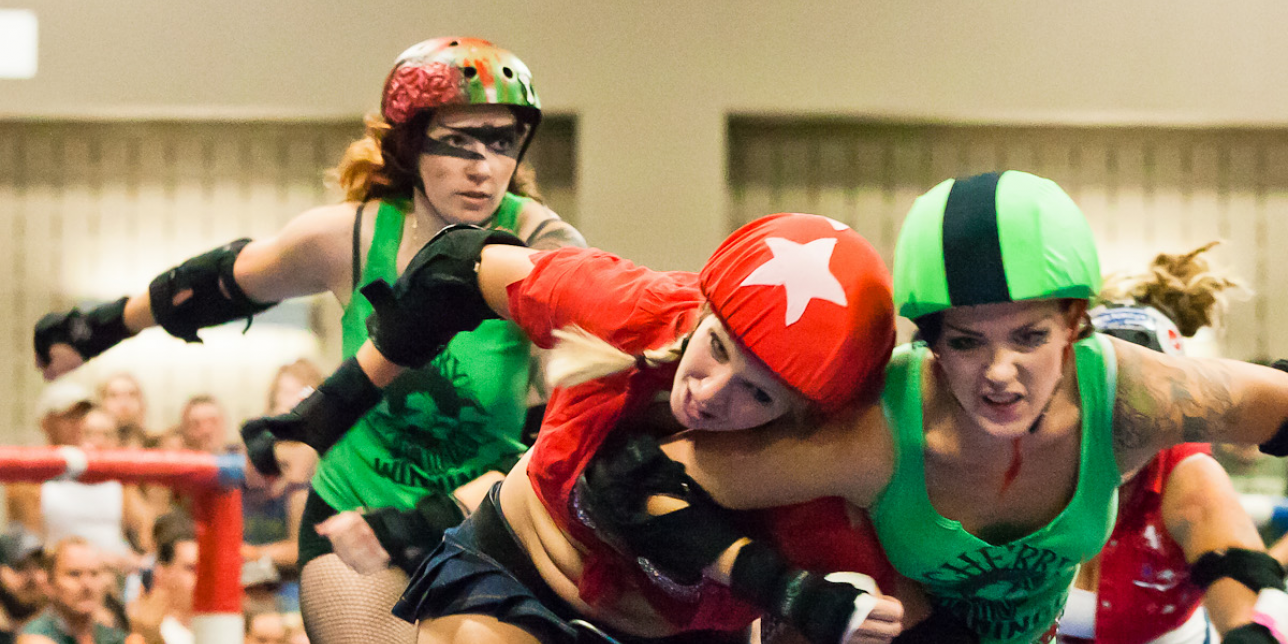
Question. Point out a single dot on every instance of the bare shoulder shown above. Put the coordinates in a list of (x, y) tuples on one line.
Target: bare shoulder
[(311, 253), (326, 224), (1164, 400), (541, 228), (848, 455), (865, 446)]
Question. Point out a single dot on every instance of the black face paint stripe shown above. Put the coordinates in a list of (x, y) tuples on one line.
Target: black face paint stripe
[(972, 248), (443, 149), (492, 137)]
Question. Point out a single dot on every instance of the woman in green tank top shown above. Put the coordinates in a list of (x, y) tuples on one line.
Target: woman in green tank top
[(457, 115), (990, 466), (449, 430)]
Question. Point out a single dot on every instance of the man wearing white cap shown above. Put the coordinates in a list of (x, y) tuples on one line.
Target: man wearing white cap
[(58, 509)]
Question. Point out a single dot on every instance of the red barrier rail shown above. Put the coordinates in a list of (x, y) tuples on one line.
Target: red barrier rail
[(212, 481)]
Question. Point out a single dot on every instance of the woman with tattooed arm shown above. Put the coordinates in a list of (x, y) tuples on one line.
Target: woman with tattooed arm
[(991, 465)]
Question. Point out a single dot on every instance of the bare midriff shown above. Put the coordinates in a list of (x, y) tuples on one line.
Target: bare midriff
[(560, 560)]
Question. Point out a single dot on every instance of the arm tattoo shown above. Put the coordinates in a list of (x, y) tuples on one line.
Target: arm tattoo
[(1165, 403), (553, 234)]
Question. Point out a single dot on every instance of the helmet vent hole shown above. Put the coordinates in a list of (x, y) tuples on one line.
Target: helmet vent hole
[(470, 72), (453, 43), (509, 73)]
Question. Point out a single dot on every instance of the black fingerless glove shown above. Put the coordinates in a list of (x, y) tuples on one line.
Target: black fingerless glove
[(818, 608), (319, 421), (434, 299), (410, 535), (88, 333), (1249, 634), (614, 492)]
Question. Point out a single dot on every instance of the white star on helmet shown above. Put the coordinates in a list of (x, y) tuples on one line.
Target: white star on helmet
[(802, 269)]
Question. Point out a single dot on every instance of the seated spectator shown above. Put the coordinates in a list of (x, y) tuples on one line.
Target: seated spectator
[(260, 584), (99, 430), (161, 499), (122, 398), (99, 512), (78, 583), (272, 509), (22, 581), (295, 633), (265, 627), (203, 426), (174, 576), (290, 385)]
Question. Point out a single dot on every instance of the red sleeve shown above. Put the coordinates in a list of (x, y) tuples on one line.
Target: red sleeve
[(606, 295), (823, 536), (1168, 459)]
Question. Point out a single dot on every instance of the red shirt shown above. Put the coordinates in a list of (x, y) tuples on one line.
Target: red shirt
[(1145, 588), (634, 308)]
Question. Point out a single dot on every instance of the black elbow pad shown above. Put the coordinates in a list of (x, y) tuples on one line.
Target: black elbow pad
[(435, 298), (215, 297)]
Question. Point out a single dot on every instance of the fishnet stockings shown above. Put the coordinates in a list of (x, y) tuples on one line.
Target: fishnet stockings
[(340, 606)]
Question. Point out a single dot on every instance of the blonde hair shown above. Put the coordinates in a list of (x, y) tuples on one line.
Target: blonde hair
[(578, 356), (1185, 288), (383, 163), (302, 370)]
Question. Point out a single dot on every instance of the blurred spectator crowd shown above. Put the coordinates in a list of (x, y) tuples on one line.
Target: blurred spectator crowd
[(114, 563)]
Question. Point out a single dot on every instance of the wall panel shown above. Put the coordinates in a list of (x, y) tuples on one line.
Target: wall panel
[(91, 211), (1144, 191)]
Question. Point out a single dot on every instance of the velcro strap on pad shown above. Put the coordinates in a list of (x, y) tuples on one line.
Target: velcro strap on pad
[(209, 293), (1254, 569)]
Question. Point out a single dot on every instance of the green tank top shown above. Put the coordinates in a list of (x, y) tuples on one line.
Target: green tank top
[(1012, 592), (437, 427)]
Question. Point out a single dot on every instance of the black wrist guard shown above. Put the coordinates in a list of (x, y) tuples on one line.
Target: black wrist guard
[(215, 297), (615, 489), (321, 419), (1254, 569), (89, 333), (1249, 634), (435, 298), (818, 608), (259, 447), (410, 535), (1278, 444)]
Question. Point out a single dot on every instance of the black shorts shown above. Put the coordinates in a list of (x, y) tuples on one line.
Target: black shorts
[(480, 569), (313, 545)]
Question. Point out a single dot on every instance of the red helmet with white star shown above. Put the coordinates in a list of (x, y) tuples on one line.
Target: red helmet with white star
[(811, 299)]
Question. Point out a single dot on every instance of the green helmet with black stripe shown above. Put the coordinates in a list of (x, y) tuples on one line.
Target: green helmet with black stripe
[(997, 237)]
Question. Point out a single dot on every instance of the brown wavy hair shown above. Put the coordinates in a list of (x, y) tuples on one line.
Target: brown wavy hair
[(1185, 287), (383, 163)]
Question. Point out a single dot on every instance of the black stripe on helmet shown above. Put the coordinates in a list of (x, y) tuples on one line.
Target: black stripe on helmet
[(972, 249)]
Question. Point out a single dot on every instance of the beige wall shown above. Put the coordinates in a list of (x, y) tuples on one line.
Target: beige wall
[(652, 82)]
